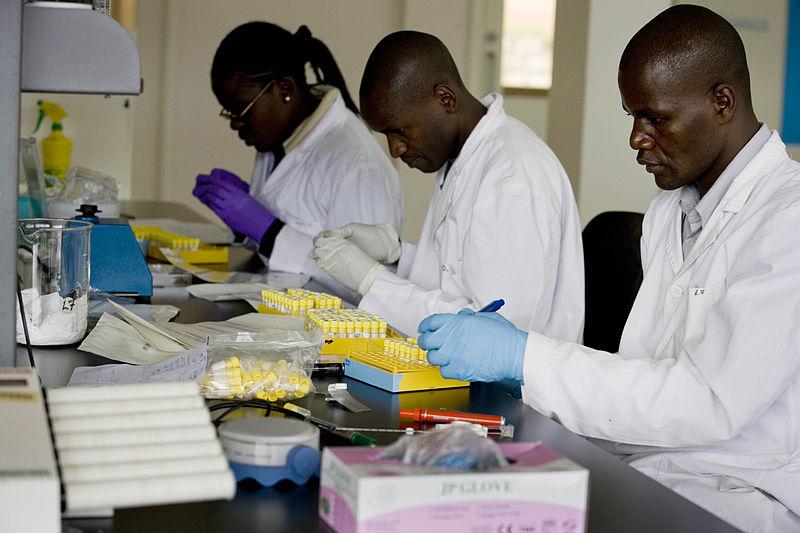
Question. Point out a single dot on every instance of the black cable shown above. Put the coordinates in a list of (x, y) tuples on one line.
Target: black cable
[(231, 406), (25, 329)]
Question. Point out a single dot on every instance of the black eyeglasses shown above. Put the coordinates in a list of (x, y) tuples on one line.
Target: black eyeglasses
[(227, 115)]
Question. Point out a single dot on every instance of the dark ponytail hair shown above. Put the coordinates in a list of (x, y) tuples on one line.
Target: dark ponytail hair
[(257, 47)]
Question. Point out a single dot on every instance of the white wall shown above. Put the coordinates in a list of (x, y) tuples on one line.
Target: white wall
[(531, 110), (101, 129), (605, 172), (149, 106)]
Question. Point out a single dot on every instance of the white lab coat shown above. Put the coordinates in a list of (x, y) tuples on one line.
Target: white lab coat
[(336, 175), (504, 225), (708, 370)]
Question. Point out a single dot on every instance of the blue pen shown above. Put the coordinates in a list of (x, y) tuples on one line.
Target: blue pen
[(491, 307)]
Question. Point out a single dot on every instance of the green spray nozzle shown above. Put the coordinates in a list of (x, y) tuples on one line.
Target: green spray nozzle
[(51, 110)]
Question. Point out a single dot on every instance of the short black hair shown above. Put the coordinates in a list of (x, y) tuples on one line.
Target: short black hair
[(696, 44), (409, 64)]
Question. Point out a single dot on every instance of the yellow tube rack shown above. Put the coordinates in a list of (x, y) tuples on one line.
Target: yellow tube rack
[(190, 249), (346, 330), (401, 366)]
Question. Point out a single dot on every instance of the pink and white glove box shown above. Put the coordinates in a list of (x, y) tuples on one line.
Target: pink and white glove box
[(541, 491)]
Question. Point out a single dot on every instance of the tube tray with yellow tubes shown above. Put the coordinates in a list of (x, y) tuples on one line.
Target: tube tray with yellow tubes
[(397, 366), (191, 250), (296, 302), (345, 330)]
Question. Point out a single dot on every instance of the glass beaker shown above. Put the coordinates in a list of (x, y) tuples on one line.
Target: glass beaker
[(53, 271)]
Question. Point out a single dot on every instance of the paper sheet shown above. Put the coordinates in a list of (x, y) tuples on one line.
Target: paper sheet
[(187, 366), (217, 292), (211, 276), (194, 334), (148, 331), (137, 343), (115, 339), (149, 312), (205, 231), (275, 279)]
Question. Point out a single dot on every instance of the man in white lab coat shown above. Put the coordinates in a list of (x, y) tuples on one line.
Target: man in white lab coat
[(502, 222), (705, 388)]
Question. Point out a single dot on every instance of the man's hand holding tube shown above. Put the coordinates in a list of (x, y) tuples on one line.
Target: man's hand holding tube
[(474, 346)]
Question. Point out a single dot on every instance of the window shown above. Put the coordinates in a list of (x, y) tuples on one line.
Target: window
[(527, 58)]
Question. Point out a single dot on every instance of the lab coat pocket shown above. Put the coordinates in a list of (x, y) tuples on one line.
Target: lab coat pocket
[(699, 302)]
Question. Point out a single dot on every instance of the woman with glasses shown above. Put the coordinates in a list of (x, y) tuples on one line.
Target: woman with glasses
[(317, 165)]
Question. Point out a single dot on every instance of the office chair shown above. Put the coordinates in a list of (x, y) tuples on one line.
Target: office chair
[(613, 269)]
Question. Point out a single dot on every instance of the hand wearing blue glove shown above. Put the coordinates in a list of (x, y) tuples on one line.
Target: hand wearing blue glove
[(474, 346), (233, 204)]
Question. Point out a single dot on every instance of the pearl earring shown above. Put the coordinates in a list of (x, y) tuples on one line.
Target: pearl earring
[(287, 98)]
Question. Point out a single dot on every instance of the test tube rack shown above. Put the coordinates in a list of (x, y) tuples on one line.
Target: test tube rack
[(350, 330), (345, 330), (296, 302), (398, 366), (190, 249)]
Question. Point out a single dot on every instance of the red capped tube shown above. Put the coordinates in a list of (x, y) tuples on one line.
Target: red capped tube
[(433, 416)]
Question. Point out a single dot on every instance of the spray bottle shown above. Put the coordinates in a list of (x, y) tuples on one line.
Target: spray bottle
[(56, 148)]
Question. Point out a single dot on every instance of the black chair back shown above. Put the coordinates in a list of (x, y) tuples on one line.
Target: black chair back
[(613, 268)]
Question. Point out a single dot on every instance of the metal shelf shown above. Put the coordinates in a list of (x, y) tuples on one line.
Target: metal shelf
[(68, 50), (48, 47)]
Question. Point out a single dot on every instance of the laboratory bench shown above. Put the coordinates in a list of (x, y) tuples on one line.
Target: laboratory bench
[(620, 497)]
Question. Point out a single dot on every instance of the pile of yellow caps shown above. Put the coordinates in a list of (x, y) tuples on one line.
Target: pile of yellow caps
[(405, 350), (166, 239), (250, 377), (348, 323), (297, 302)]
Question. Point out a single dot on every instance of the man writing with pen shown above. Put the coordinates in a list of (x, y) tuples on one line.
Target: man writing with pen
[(502, 220), (703, 393)]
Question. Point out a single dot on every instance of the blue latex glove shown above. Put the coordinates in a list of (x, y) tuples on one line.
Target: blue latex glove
[(474, 346), (240, 211)]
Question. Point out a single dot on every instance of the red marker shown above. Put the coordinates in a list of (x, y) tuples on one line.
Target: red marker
[(434, 416)]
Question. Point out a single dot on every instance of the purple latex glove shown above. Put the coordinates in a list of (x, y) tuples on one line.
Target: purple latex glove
[(240, 211), (217, 175)]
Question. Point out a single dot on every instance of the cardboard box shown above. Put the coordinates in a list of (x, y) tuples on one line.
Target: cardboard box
[(540, 492)]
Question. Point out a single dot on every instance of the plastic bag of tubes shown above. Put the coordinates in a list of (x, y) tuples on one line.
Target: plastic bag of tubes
[(274, 366)]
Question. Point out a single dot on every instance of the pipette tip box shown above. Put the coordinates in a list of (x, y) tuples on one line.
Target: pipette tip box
[(541, 491)]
